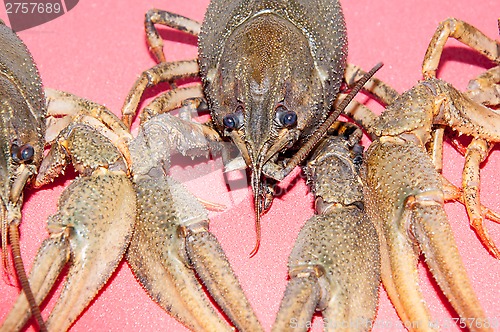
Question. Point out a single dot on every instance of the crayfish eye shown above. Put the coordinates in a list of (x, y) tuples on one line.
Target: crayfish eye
[(23, 153), (234, 120), (285, 117), (27, 152), (230, 121), (358, 160), (358, 155)]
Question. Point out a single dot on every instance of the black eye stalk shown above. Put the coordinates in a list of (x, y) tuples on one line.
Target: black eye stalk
[(234, 120), (285, 117), (358, 155), (231, 121), (23, 153)]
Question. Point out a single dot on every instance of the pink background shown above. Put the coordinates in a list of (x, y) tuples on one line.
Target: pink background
[(98, 49)]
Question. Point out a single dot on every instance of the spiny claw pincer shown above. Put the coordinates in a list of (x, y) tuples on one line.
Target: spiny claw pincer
[(409, 210), (171, 245), (405, 197), (91, 229), (22, 126), (335, 264), (405, 190)]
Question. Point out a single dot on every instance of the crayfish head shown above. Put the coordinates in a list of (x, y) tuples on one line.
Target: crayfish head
[(266, 93), (22, 126)]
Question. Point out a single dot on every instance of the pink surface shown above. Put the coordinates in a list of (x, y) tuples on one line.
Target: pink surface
[(98, 49)]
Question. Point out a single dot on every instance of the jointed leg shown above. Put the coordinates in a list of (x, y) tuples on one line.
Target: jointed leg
[(477, 151), (485, 89), (469, 196), (383, 92), (463, 32), (163, 72), (64, 108), (361, 114), (170, 100), (174, 21), (436, 148)]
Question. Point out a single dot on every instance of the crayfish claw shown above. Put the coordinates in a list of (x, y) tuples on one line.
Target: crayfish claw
[(213, 268), (92, 227), (334, 266), (170, 244)]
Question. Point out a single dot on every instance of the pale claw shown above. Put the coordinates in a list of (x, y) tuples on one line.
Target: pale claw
[(334, 267), (171, 239), (406, 201), (211, 265), (299, 303), (485, 89), (92, 227), (335, 264)]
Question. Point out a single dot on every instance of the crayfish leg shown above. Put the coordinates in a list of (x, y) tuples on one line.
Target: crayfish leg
[(477, 151)]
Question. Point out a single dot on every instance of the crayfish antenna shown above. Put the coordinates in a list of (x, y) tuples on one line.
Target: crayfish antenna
[(23, 278), (7, 271), (257, 227), (257, 194)]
